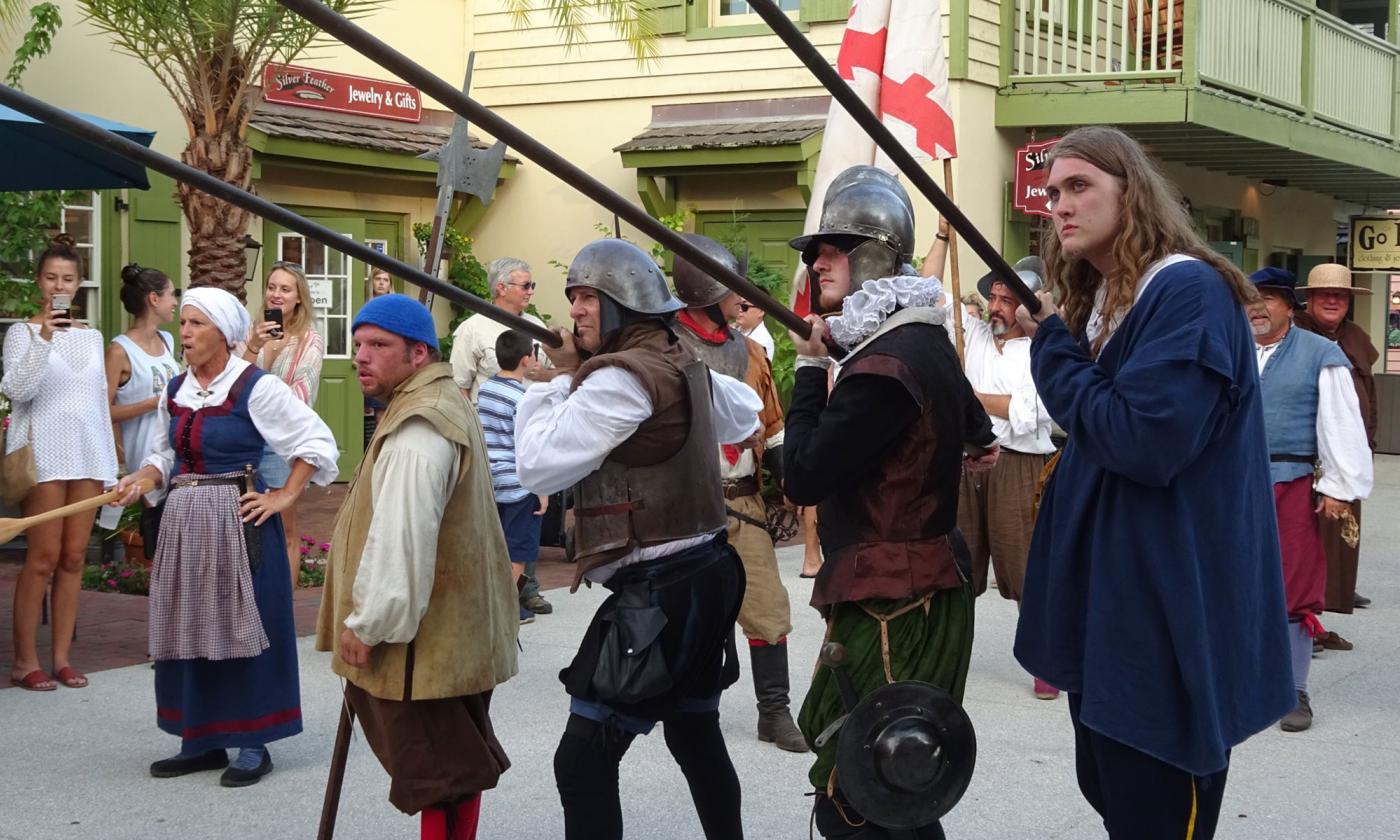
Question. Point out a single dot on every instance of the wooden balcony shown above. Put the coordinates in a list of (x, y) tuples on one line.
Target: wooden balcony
[(1263, 88)]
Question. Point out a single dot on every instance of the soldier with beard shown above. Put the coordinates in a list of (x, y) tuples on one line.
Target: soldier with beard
[(996, 508), (765, 615)]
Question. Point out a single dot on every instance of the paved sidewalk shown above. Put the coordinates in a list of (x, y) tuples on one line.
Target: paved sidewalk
[(74, 761)]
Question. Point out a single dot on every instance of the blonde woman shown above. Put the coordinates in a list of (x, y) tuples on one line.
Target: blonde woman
[(57, 386), (292, 351)]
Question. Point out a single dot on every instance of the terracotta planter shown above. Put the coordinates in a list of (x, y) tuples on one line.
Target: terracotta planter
[(135, 548)]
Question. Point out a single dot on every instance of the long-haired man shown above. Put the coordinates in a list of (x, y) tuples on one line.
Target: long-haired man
[(1153, 591)]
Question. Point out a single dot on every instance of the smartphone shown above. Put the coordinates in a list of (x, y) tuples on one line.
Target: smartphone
[(274, 315), (62, 303)]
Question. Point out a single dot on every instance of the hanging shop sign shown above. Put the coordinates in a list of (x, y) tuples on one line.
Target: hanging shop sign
[(306, 87), (1030, 197), (1375, 243)]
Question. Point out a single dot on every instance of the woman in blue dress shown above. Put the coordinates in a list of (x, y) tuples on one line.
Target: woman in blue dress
[(221, 630)]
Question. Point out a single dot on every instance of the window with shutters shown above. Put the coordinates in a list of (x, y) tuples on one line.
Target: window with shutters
[(740, 13), (730, 18)]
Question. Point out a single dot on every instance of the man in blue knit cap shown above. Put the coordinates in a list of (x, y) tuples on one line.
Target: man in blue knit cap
[(419, 606), (1313, 422)]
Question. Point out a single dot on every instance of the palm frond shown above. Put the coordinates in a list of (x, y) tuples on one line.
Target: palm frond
[(634, 20), (13, 14)]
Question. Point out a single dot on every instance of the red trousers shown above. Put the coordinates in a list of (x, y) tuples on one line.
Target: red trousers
[(1304, 563)]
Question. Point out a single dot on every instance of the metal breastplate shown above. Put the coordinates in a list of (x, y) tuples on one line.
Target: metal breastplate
[(730, 358), (618, 507)]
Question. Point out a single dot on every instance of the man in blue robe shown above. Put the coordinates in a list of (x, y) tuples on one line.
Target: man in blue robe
[(1153, 593)]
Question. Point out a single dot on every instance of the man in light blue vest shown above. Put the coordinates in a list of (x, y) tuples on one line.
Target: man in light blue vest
[(1313, 421)]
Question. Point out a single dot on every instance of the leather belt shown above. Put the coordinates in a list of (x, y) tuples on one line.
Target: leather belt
[(207, 482), (738, 488)]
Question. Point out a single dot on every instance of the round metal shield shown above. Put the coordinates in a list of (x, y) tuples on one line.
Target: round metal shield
[(906, 755)]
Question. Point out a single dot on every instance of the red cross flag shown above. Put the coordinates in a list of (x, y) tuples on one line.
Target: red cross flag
[(892, 56)]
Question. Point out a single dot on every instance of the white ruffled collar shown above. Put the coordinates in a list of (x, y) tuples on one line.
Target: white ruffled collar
[(863, 312)]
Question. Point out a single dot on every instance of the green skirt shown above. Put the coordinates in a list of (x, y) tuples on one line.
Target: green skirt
[(932, 645)]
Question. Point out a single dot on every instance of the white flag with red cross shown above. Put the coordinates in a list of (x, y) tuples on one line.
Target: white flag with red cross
[(892, 56)]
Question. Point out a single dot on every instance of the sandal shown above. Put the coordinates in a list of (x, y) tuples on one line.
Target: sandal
[(35, 680), (71, 677)]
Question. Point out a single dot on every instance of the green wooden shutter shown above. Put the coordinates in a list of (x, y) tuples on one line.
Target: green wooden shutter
[(670, 16), (155, 226), (818, 11)]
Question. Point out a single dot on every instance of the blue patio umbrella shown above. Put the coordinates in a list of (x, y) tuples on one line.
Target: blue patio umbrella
[(36, 156)]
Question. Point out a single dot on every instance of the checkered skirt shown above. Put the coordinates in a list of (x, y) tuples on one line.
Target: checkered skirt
[(201, 598)]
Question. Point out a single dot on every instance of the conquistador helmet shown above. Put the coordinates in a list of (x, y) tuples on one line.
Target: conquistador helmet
[(630, 283), (870, 217)]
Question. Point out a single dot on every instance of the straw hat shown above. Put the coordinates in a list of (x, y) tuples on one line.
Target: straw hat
[(1331, 276)]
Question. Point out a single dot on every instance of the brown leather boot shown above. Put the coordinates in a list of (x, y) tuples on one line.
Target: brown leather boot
[(1331, 641), (1301, 717)]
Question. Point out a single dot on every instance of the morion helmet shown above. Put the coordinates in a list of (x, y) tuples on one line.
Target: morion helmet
[(629, 280), (1030, 269), (694, 287), (871, 218)]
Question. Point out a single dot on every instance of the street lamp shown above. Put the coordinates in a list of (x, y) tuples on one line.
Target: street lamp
[(251, 249)]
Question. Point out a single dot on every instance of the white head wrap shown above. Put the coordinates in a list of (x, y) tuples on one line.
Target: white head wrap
[(223, 309)]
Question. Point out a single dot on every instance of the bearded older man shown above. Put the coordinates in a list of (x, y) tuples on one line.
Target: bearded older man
[(1329, 293), (1312, 420)]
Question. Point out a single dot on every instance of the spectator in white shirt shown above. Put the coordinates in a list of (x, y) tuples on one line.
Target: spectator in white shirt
[(57, 386), (996, 507), (474, 341)]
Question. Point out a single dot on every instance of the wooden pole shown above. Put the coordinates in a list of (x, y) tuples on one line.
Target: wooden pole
[(330, 805), (11, 528), (955, 286)]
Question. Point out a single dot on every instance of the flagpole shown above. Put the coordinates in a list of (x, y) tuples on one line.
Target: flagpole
[(840, 91), (363, 42), (953, 261)]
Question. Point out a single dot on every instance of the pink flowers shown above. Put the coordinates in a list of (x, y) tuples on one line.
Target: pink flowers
[(325, 546)]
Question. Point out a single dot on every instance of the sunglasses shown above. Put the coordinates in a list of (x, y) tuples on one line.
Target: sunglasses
[(745, 307), (528, 286)]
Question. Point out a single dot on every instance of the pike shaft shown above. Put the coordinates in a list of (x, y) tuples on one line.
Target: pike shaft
[(841, 92), (132, 150), (405, 68)]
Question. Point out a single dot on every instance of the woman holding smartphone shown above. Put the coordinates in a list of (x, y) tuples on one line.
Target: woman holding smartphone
[(57, 387), (286, 344)]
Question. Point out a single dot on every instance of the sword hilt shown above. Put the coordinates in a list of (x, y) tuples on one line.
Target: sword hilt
[(833, 656)]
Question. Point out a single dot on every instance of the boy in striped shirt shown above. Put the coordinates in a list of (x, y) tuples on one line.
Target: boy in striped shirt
[(521, 511)]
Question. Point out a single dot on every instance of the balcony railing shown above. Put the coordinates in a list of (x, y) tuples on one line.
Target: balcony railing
[(1282, 52)]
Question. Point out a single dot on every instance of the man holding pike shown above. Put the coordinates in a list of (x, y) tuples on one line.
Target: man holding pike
[(881, 458), (632, 421)]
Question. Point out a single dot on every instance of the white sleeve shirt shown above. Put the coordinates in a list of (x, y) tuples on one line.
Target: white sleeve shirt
[(561, 437), (1006, 369), (1342, 449), (412, 480), (289, 426)]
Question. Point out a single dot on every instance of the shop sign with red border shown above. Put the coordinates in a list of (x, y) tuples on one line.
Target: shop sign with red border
[(1031, 174), (306, 87)]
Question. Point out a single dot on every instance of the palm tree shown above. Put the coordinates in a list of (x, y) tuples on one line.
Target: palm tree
[(209, 55), (634, 20)]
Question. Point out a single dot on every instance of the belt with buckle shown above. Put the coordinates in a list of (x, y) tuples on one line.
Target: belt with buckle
[(738, 488)]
